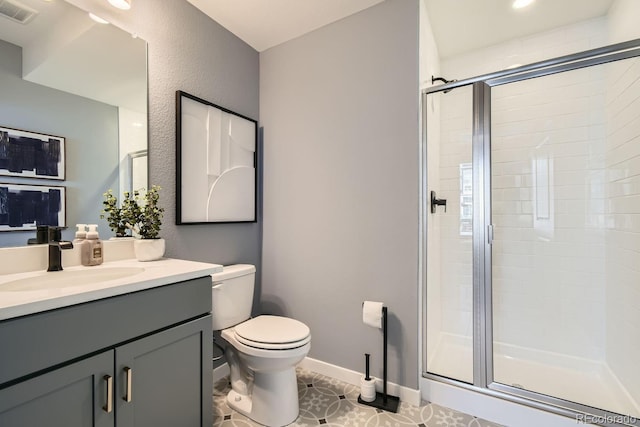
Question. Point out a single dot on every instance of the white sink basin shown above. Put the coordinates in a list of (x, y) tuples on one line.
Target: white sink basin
[(68, 278)]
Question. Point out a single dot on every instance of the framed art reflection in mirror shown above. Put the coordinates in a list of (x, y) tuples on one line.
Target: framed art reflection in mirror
[(24, 207), (31, 155)]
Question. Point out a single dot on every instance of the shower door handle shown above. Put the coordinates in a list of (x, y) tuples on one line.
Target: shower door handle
[(435, 202)]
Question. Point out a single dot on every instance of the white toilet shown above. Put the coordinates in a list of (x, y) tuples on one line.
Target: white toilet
[(262, 353)]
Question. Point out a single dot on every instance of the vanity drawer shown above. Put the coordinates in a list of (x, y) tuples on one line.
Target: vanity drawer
[(40, 341)]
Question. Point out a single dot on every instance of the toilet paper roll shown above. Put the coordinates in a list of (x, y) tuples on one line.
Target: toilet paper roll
[(372, 313), (368, 389)]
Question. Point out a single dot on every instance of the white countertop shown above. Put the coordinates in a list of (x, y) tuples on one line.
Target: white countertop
[(16, 303)]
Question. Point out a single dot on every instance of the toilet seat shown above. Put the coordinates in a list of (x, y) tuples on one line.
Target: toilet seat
[(272, 333)]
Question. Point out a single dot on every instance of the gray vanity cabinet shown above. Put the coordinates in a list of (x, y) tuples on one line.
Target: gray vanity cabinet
[(137, 360), (71, 396), (159, 379)]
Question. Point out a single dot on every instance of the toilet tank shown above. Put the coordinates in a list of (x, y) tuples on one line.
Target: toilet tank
[(232, 295)]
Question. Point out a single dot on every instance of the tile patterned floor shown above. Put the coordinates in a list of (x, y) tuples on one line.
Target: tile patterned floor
[(332, 403)]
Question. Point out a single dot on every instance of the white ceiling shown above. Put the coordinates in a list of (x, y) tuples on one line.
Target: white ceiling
[(458, 25), (463, 25), (266, 23)]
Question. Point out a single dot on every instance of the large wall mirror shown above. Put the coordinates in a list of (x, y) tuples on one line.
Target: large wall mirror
[(64, 74)]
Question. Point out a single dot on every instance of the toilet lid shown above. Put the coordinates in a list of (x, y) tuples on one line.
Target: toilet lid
[(272, 332)]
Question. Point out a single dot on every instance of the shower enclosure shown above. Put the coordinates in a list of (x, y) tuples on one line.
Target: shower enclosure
[(531, 211)]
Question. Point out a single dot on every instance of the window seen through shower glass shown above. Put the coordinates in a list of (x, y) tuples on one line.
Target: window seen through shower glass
[(466, 199), (565, 188), (449, 242)]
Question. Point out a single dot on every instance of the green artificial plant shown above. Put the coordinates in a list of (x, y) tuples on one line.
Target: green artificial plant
[(139, 213)]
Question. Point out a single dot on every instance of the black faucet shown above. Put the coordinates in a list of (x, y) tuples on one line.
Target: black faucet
[(42, 236), (56, 246)]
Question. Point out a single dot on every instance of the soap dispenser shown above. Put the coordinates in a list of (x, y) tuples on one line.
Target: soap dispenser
[(81, 238), (81, 234), (92, 248)]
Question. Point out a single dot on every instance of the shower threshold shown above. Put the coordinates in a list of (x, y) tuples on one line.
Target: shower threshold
[(588, 382)]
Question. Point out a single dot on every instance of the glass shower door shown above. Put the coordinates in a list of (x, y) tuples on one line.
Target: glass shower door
[(449, 342), (565, 188)]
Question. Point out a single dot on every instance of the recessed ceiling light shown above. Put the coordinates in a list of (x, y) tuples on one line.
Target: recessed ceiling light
[(98, 19), (517, 4), (121, 4)]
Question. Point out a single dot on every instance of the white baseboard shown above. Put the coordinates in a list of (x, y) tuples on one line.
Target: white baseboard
[(220, 372), (405, 394)]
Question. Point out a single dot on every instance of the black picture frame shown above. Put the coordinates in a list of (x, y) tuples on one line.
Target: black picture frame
[(29, 154), (25, 206), (216, 163)]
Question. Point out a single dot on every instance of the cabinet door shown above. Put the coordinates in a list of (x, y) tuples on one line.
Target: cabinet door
[(165, 379), (73, 396)]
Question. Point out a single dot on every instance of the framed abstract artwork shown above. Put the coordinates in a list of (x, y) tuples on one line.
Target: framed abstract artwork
[(216, 169), (24, 207), (31, 155)]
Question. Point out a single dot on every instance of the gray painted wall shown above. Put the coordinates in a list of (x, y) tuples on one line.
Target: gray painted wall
[(189, 51), (339, 107), (91, 132)]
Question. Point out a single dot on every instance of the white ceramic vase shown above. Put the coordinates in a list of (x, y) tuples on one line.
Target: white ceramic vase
[(148, 249)]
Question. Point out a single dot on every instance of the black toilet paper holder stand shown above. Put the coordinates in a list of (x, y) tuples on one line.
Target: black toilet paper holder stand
[(383, 400)]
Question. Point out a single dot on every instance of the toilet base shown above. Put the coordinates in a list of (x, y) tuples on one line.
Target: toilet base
[(239, 403), (273, 401)]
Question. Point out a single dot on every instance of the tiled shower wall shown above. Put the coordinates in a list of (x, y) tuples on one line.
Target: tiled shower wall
[(623, 222), (548, 204), (517, 307), (623, 209), (455, 267)]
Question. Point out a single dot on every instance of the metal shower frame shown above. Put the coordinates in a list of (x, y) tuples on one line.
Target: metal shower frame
[(483, 229)]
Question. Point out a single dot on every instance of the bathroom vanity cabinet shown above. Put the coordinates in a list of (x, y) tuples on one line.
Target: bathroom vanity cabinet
[(141, 359)]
